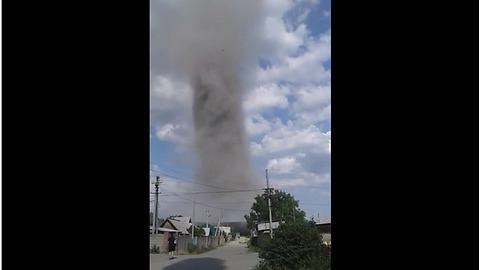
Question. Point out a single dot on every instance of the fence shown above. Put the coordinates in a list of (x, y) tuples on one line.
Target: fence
[(159, 240), (184, 241)]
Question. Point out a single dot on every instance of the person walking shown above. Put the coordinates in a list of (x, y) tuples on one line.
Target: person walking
[(172, 243)]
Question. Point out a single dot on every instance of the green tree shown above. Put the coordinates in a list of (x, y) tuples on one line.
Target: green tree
[(284, 208), (159, 220), (198, 231), (296, 245)]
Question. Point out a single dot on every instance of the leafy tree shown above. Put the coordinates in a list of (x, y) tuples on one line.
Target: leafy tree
[(159, 220), (284, 208), (296, 245), (198, 231)]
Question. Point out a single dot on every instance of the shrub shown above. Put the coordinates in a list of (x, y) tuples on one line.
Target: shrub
[(155, 249), (295, 244), (192, 249)]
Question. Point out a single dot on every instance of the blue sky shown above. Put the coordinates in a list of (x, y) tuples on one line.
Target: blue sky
[(286, 107)]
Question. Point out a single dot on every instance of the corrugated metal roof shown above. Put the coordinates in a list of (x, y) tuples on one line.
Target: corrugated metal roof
[(325, 221), (160, 229), (181, 223), (266, 226)]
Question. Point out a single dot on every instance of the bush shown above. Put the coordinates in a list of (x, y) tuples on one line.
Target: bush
[(252, 248), (315, 263), (155, 249), (192, 249), (295, 245)]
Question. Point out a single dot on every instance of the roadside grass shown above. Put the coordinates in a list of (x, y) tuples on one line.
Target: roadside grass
[(251, 248), (196, 250)]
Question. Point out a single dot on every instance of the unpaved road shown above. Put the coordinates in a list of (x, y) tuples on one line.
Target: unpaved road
[(232, 256)]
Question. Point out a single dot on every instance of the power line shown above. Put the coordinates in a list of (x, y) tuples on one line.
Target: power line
[(193, 182), (185, 172), (212, 186), (251, 203), (225, 209), (207, 185), (215, 192), (299, 187)]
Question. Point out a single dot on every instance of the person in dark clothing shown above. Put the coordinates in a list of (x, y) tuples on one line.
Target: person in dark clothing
[(172, 243)]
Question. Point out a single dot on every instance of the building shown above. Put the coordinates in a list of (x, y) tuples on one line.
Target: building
[(261, 233), (179, 223), (325, 229), (223, 230)]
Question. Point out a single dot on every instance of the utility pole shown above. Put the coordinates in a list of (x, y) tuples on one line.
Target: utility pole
[(269, 204), (208, 215), (193, 222), (208, 229), (155, 212)]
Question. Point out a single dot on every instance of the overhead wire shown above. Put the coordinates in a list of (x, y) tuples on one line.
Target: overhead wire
[(185, 171), (212, 186), (225, 209)]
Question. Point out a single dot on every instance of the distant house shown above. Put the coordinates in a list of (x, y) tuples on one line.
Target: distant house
[(262, 227), (179, 223), (325, 229), (223, 230), (163, 230), (261, 233)]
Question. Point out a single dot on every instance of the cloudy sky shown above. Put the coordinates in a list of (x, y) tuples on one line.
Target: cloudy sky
[(286, 108)]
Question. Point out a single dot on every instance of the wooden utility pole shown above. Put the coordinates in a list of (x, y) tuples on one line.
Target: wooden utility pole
[(269, 204), (155, 212)]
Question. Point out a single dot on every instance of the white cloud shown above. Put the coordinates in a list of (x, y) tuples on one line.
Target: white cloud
[(313, 116), (305, 68), (155, 167), (278, 41), (303, 179), (295, 182), (170, 102), (326, 13), (257, 125), (173, 133), (315, 179), (265, 97), (283, 165), (256, 149), (168, 94), (288, 138), (276, 8), (312, 96)]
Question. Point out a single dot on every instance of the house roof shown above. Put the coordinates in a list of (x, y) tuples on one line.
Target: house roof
[(325, 221), (160, 229), (179, 223), (266, 226)]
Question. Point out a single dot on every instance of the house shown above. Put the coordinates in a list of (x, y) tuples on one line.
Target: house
[(262, 227), (325, 229), (261, 233), (179, 223), (223, 230), (163, 230)]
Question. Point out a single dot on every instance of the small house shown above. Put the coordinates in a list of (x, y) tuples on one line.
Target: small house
[(179, 223)]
